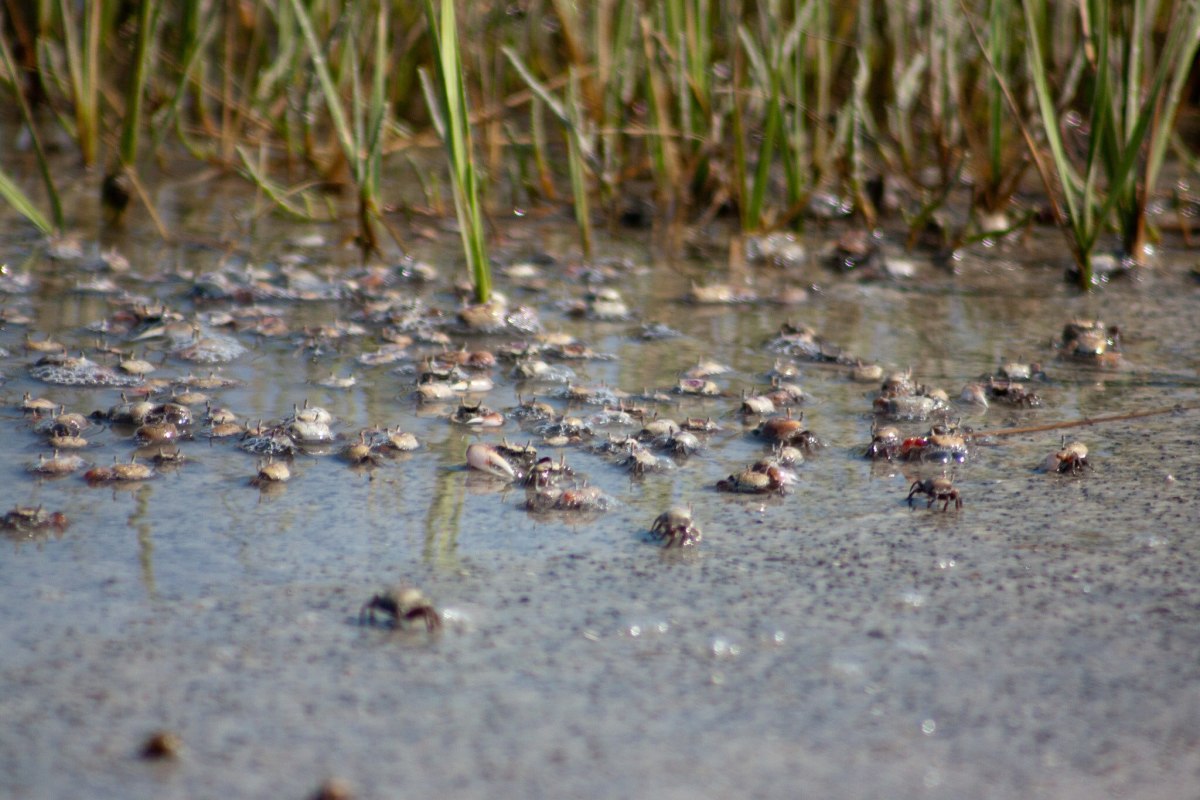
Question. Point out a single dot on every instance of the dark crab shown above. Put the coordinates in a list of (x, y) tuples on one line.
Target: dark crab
[(1072, 458), (676, 528), (28, 519), (402, 605), (940, 489)]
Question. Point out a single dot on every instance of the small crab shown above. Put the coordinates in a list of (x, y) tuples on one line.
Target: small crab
[(156, 433), (398, 440), (697, 386), (1012, 392), (547, 472), (788, 430), (402, 604), (1072, 458), (362, 453), (521, 456), (477, 416), (885, 443), (943, 446), (676, 528), (757, 405), (271, 472), (27, 519), (682, 444), (168, 457), (56, 464), (908, 406), (755, 480), (700, 425), (37, 405), (638, 460), (1091, 340), (580, 498), (937, 489)]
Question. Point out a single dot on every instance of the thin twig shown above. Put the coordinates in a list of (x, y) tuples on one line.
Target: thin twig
[(1080, 423)]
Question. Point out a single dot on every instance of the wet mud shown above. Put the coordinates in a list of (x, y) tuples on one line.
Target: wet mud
[(826, 638)]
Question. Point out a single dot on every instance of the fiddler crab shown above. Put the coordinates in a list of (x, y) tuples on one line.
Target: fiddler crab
[(788, 430), (940, 489), (271, 472), (28, 519), (488, 459), (885, 443), (639, 461), (1072, 458), (119, 472), (943, 444), (548, 472), (362, 452), (579, 498), (402, 605), (676, 528), (1091, 340), (762, 477)]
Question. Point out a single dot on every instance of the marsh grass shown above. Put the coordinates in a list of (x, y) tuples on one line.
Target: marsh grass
[(9, 189), (709, 107), (1128, 114), (446, 96)]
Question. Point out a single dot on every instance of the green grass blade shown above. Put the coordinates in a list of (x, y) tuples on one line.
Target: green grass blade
[(21, 203), (15, 197), (449, 101)]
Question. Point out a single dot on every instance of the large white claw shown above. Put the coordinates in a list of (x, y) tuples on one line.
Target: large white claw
[(484, 458)]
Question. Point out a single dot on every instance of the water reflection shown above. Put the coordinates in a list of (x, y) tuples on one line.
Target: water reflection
[(443, 518)]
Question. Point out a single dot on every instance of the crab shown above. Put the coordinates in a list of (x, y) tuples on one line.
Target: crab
[(939, 489), (271, 472), (56, 464), (156, 433), (547, 472), (403, 604), (522, 456), (944, 446), (1090, 339), (757, 405), (885, 443), (37, 405), (1072, 458), (697, 386), (1012, 392), (168, 457), (477, 416), (119, 472), (676, 528), (758, 479), (28, 518), (682, 444), (788, 430), (174, 413), (362, 453), (581, 498), (638, 460), (700, 425)]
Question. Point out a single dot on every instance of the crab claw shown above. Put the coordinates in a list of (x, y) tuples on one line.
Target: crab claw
[(485, 458)]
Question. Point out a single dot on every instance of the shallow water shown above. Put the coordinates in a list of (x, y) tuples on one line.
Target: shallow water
[(1041, 642)]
